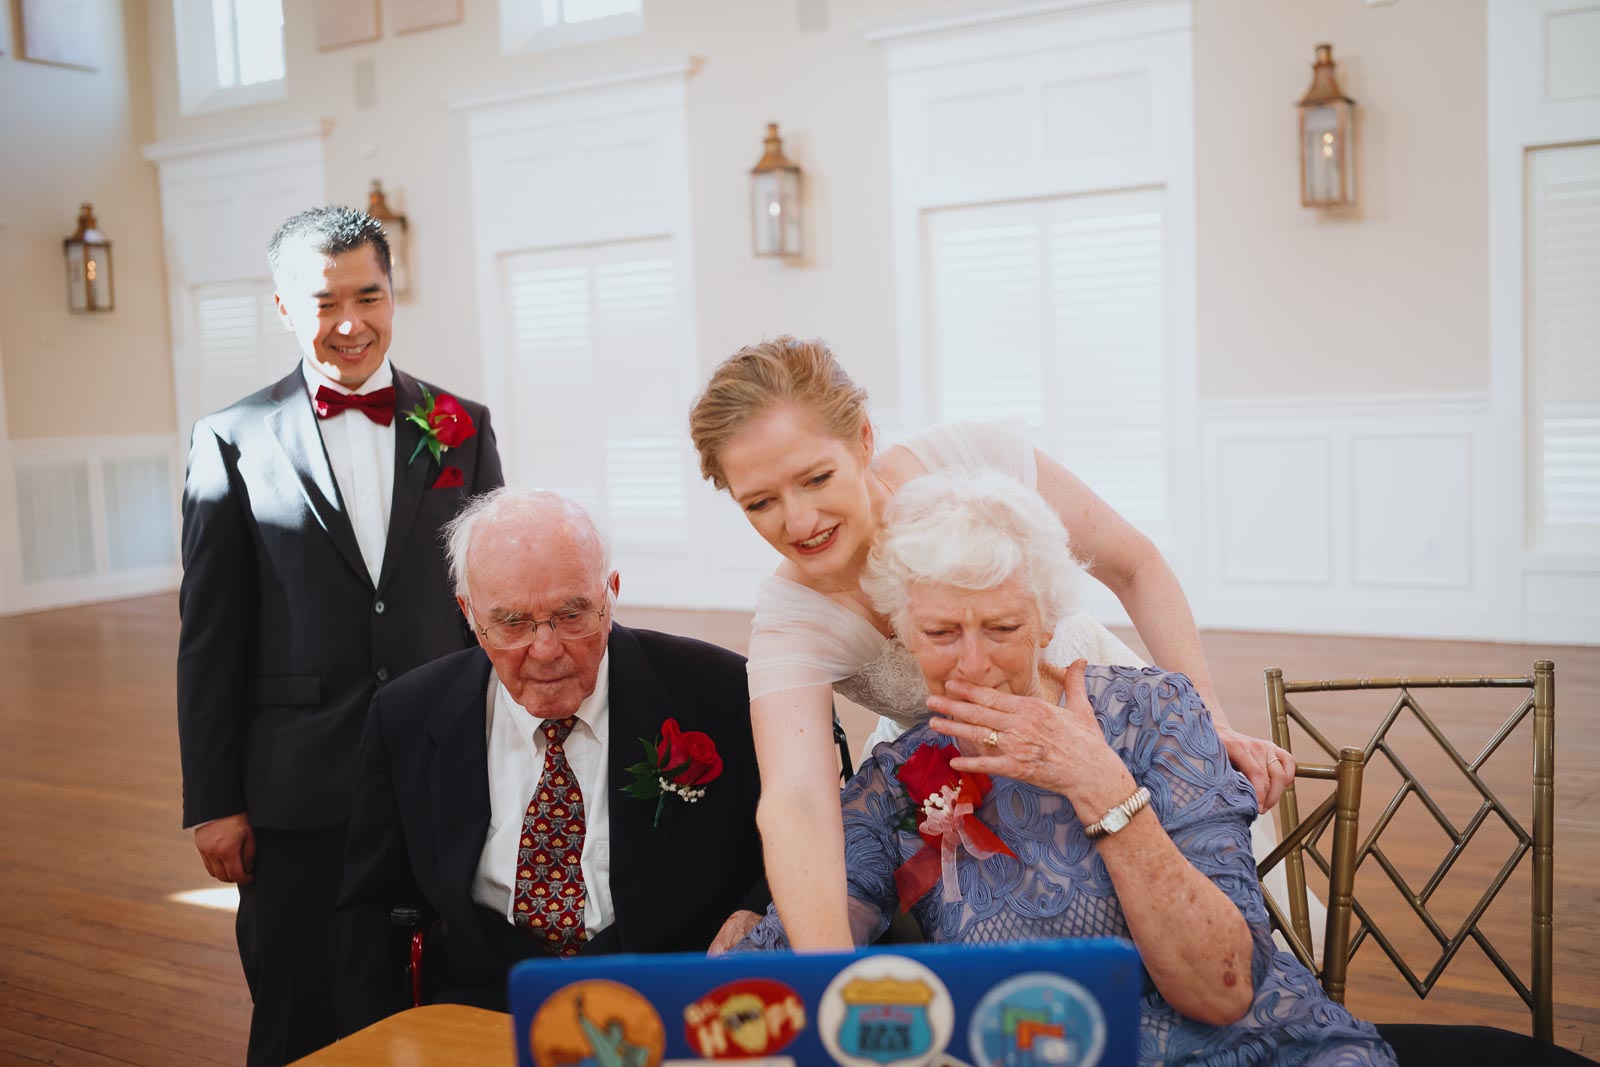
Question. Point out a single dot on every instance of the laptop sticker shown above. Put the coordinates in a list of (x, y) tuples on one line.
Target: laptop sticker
[(744, 1019), (596, 1023), (885, 1011), (1037, 1019)]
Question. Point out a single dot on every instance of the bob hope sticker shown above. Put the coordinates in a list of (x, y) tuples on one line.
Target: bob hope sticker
[(744, 1019)]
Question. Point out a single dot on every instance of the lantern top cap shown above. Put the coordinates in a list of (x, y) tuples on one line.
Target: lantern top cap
[(1324, 81), (378, 205), (772, 157), (88, 231)]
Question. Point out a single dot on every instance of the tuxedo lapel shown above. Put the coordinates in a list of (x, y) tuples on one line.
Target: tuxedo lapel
[(641, 854), (411, 479), (458, 779), (294, 425)]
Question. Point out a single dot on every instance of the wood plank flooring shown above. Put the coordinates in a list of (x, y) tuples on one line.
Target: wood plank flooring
[(100, 965)]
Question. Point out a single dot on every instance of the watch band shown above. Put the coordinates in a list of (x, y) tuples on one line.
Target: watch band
[(1119, 816)]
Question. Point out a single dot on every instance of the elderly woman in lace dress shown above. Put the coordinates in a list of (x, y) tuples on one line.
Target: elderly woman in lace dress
[(1056, 800)]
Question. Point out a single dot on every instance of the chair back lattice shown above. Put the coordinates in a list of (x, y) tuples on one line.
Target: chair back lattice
[(1538, 700)]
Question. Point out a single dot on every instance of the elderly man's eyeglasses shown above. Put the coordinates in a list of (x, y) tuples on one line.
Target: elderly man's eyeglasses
[(519, 633)]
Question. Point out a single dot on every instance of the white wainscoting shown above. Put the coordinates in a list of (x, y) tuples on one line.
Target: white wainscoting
[(97, 518), (1354, 515)]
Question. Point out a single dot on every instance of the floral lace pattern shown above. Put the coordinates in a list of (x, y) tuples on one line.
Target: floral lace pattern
[(1059, 887), (891, 685)]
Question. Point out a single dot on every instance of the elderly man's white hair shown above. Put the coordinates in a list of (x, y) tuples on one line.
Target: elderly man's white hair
[(533, 505), (972, 529)]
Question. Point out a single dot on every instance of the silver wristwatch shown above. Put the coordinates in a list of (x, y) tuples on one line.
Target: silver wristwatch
[(1119, 816)]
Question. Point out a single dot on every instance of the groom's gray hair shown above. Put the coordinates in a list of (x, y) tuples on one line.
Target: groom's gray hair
[(533, 505), (972, 529)]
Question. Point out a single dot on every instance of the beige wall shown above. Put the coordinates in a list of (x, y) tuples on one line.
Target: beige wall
[(1390, 297), (67, 136)]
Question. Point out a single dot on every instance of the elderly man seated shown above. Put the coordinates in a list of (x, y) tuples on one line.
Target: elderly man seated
[(1073, 802), (494, 787)]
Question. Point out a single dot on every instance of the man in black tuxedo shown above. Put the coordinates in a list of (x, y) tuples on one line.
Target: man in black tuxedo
[(490, 787), (313, 574)]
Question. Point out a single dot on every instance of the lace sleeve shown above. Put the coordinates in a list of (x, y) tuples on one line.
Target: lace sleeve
[(1166, 738), (801, 638), (997, 446)]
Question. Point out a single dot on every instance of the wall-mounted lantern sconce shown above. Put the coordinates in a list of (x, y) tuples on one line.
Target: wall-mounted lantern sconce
[(1327, 138), (775, 202), (88, 265), (395, 229)]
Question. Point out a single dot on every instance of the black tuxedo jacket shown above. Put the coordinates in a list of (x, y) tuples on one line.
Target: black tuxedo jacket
[(284, 637), (421, 816)]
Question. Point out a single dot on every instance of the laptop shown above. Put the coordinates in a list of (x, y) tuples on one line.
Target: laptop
[(1061, 1003)]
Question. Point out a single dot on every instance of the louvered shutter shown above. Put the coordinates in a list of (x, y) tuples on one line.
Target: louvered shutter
[(1054, 313), (1564, 347), (240, 344), (600, 384)]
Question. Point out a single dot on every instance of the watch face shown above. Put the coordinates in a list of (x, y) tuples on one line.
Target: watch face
[(1115, 820)]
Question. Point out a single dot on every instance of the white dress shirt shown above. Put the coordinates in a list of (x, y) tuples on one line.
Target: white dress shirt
[(516, 764), (361, 454)]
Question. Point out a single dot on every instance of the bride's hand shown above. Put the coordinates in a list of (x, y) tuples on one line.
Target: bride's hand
[(1268, 768)]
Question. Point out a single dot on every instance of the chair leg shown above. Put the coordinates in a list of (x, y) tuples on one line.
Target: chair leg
[(1544, 805), (1342, 881)]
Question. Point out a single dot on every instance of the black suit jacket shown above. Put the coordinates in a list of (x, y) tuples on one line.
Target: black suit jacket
[(421, 816), (284, 637)]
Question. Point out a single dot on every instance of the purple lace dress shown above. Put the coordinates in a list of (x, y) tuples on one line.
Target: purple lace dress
[(1058, 886)]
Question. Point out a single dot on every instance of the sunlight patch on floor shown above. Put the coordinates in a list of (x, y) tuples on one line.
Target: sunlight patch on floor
[(220, 898)]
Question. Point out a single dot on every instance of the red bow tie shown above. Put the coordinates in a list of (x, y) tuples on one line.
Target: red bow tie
[(377, 405)]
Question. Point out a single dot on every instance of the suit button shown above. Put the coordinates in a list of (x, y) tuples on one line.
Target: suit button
[(378, 607), (383, 674)]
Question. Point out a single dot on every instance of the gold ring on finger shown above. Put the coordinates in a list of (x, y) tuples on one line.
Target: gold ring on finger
[(993, 740)]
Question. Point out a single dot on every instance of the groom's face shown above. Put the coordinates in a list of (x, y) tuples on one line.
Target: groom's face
[(339, 308)]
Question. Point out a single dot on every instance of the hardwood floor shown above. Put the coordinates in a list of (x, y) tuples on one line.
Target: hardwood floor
[(100, 964)]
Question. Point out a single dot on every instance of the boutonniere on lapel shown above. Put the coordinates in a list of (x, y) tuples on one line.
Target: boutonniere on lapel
[(444, 423), (679, 762), (943, 801)]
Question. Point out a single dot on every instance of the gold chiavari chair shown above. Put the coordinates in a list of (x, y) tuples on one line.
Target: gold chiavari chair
[(1537, 700)]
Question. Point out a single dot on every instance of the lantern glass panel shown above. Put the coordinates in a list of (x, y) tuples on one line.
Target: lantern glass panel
[(77, 283), (1323, 151), (399, 256), (775, 212), (97, 273)]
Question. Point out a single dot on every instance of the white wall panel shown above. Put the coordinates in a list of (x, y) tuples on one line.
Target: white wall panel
[(1259, 541), (1411, 510), (1093, 115)]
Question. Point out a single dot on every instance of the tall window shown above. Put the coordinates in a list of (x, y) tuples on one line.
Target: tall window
[(230, 52), (1053, 314), (536, 25)]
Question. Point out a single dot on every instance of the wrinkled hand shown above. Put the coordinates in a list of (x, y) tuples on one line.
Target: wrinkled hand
[(1268, 768), (1061, 749), (732, 932), (228, 847)]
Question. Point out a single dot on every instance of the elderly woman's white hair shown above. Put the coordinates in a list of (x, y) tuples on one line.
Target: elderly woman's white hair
[(972, 529), (533, 505)]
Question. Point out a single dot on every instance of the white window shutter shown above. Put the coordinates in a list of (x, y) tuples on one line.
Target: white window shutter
[(240, 344), (1564, 347), (599, 386), (1054, 313)]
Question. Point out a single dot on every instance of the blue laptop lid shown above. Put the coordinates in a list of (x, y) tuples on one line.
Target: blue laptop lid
[(1062, 1003)]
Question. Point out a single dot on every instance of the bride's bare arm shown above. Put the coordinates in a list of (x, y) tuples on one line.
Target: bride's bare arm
[(802, 832)]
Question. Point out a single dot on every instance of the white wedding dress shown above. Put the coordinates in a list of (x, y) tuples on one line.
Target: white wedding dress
[(802, 638)]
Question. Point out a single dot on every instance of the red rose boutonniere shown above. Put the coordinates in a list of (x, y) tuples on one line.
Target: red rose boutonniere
[(946, 799), (444, 423), (679, 761)]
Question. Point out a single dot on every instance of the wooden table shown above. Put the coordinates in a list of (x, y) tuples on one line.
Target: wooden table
[(434, 1035)]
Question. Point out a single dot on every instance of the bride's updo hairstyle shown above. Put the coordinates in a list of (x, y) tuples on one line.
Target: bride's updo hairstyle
[(784, 370), (972, 529)]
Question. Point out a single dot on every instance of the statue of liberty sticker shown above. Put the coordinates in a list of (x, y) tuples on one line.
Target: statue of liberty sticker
[(885, 1011), (596, 1023)]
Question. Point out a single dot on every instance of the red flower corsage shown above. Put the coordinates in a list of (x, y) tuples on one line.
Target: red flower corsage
[(449, 478), (679, 762), (946, 799), (444, 423)]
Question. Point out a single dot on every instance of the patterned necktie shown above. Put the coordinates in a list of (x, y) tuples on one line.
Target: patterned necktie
[(377, 405), (549, 895)]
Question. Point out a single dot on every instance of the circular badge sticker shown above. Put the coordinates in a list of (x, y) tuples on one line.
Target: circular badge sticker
[(1037, 1018), (885, 1011), (742, 1019), (596, 1021)]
